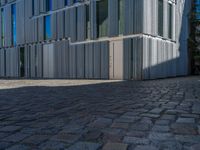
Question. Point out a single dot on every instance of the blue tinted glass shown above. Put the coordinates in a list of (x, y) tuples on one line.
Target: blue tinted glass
[(66, 2), (14, 31), (49, 5), (48, 33)]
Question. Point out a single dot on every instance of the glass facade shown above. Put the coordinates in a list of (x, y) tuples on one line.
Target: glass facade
[(197, 9), (49, 5), (47, 27), (170, 26), (160, 17), (102, 18), (13, 18), (87, 22), (2, 27)]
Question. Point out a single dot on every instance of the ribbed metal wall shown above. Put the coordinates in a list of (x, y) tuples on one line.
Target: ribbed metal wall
[(74, 55)]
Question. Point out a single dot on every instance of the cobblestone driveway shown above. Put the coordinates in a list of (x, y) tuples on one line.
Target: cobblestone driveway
[(95, 115)]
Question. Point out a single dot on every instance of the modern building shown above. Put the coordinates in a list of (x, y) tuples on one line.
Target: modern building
[(94, 39)]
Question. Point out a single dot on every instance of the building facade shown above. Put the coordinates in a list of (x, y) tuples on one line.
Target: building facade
[(94, 39)]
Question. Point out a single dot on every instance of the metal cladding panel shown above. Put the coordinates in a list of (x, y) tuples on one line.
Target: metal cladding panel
[(2, 63), (127, 59), (81, 23), (89, 61), (33, 61), (42, 6), (134, 16), (39, 63), (150, 16), (60, 3), (54, 4), (26, 61), (93, 19), (37, 7), (12, 62), (80, 61), (41, 28), (133, 58), (73, 23), (137, 58), (60, 25), (67, 23), (8, 32), (165, 21), (72, 61), (65, 59), (97, 60), (104, 60), (113, 22), (20, 22), (1, 44), (61, 57), (159, 58), (54, 26)]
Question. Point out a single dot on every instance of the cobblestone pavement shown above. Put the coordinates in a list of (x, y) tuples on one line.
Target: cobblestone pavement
[(95, 115)]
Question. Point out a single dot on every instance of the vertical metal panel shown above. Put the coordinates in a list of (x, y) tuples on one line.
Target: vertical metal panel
[(80, 61), (113, 14), (97, 60), (105, 60), (81, 23)]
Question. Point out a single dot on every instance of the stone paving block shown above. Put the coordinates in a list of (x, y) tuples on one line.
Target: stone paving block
[(191, 139), (156, 110), (120, 125), (66, 137), (135, 140), (162, 122), (150, 115), (195, 147), (136, 133), (148, 147), (4, 145), (102, 122), (141, 127), (19, 147), (184, 129), (185, 120), (17, 137), (10, 128), (35, 140), (92, 135), (160, 136), (115, 146), (85, 146), (160, 128), (169, 117), (53, 145)]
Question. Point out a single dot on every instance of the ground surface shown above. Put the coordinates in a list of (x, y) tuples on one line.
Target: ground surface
[(95, 115)]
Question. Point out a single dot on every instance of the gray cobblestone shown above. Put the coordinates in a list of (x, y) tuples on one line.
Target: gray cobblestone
[(85, 115)]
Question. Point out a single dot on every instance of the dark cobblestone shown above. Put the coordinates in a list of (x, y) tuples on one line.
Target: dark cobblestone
[(96, 115)]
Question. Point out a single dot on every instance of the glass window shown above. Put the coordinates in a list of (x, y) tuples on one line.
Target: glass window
[(49, 5), (14, 31), (121, 16), (66, 2), (47, 27), (102, 18), (2, 27), (87, 21), (33, 7), (170, 20), (160, 17)]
